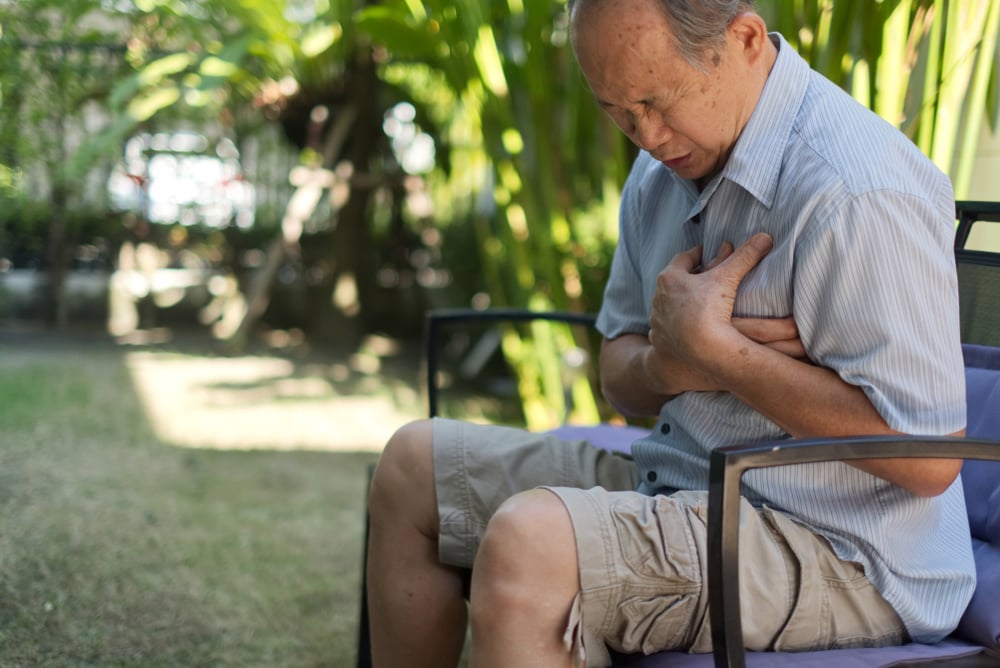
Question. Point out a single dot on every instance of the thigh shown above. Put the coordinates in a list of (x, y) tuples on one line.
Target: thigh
[(644, 585), (478, 467), (834, 605)]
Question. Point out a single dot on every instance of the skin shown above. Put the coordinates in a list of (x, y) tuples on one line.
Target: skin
[(526, 576)]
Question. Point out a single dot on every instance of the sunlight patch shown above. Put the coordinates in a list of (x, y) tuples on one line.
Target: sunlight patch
[(264, 403)]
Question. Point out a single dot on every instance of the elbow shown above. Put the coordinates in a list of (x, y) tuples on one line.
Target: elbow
[(620, 404), (937, 476)]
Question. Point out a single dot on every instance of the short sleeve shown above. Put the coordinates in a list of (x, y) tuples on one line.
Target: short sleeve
[(624, 310), (876, 300)]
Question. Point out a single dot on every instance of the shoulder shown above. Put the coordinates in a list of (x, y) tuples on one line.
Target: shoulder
[(838, 145)]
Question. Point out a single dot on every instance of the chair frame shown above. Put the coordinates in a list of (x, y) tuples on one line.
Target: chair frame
[(968, 212), (727, 466)]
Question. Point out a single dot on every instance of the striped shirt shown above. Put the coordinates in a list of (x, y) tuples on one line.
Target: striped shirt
[(863, 225)]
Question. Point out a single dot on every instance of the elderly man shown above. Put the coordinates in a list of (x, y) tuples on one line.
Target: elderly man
[(784, 269)]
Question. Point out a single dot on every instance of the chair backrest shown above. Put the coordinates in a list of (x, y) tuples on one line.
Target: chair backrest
[(462, 347), (977, 257)]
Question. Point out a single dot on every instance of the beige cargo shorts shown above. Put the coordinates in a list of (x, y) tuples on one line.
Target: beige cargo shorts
[(643, 558)]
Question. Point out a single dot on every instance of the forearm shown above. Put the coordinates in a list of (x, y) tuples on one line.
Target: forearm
[(809, 401), (805, 400), (625, 377)]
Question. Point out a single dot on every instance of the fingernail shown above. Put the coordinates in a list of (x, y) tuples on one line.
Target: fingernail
[(762, 242)]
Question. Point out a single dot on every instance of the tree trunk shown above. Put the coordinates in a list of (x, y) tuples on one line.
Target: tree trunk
[(57, 309), (310, 187)]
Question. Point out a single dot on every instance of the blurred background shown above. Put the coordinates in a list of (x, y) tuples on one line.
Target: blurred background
[(221, 225), (308, 172)]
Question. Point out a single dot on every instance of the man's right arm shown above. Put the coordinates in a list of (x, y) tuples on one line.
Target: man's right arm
[(626, 362), (625, 382)]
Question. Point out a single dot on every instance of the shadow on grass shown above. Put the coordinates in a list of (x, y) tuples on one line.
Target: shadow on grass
[(118, 548)]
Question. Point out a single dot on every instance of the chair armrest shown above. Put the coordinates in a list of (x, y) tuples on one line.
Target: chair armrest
[(727, 466), (435, 318)]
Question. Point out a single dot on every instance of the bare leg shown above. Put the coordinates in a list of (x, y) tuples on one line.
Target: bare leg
[(524, 581), (417, 612)]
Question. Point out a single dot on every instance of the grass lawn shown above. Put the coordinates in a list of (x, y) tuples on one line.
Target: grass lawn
[(136, 532)]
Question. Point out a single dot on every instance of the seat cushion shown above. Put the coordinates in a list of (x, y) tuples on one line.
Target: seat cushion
[(981, 622), (612, 438), (982, 478), (834, 658)]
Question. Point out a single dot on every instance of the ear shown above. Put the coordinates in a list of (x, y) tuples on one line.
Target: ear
[(748, 33)]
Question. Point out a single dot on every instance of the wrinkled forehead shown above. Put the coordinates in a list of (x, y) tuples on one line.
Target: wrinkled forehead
[(606, 25), (608, 17), (604, 11)]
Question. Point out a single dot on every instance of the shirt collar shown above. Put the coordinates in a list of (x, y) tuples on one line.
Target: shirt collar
[(755, 163)]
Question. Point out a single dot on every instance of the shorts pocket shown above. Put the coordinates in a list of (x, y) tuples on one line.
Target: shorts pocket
[(658, 542), (655, 623)]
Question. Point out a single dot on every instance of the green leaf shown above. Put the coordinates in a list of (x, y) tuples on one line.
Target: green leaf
[(143, 107), (397, 33), (319, 38)]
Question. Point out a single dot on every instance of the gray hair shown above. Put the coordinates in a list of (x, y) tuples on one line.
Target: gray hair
[(698, 25)]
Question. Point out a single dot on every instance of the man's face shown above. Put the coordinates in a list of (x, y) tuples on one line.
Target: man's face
[(686, 118)]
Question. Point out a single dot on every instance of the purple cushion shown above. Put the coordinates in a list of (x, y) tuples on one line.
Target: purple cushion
[(982, 389), (605, 436), (833, 658), (981, 479), (981, 621)]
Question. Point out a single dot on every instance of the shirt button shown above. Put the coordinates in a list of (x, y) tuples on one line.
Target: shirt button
[(651, 476), (664, 428)]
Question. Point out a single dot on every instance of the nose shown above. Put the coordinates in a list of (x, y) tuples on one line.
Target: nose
[(649, 131)]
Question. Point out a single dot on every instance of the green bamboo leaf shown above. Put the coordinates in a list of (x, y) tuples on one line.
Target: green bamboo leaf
[(931, 78), (216, 68), (144, 106), (487, 58), (319, 38), (151, 75), (975, 100), (893, 71), (398, 33), (963, 30)]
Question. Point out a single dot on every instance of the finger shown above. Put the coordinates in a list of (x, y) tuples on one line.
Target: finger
[(725, 250), (688, 261), (780, 334), (747, 256), (790, 347), (766, 330)]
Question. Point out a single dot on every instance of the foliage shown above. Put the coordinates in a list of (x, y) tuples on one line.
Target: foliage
[(927, 66), (535, 168), (527, 170), (90, 230), (50, 69), (54, 61)]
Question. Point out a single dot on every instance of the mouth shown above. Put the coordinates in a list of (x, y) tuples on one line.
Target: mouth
[(677, 163)]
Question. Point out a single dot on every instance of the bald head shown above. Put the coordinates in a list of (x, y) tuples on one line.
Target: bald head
[(698, 27)]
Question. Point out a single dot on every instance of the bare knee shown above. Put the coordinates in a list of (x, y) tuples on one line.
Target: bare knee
[(403, 483), (527, 553)]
